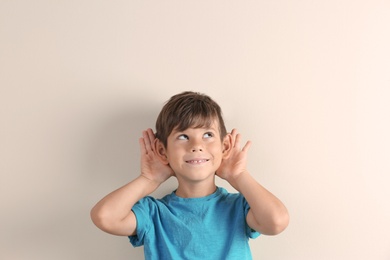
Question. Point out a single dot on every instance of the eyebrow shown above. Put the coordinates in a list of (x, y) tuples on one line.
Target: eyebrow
[(206, 128)]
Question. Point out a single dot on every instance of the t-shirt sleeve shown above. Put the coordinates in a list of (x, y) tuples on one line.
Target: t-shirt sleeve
[(142, 213), (251, 233)]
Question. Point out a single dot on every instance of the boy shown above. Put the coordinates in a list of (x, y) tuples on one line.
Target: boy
[(198, 220)]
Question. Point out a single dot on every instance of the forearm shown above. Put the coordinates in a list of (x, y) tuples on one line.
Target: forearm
[(109, 213), (268, 214)]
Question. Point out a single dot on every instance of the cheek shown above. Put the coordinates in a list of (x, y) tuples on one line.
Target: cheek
[(217, 151), (174, 154)]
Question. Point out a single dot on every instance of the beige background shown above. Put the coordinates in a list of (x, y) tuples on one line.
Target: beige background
[(306, 81)]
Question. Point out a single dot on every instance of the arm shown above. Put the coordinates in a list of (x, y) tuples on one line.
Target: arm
[(267, 213), (113, 213)]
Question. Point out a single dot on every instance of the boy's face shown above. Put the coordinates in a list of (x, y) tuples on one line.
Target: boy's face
[(195, 153)]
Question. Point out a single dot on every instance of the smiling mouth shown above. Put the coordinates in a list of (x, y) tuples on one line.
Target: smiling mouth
[(197, 161)]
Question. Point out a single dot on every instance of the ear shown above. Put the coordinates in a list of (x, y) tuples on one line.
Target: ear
[(227, 144), (160, 151)]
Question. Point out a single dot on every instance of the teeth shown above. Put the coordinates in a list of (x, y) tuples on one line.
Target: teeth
[(197, 161)]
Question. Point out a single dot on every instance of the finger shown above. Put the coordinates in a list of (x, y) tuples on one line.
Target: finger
[(237, 141), (147, 141), (234, 136), (142, 145), (155, 145), (151, 135), (152, 138), (246, 146)]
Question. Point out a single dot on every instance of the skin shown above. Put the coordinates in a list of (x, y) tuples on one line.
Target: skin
[(194, 156)]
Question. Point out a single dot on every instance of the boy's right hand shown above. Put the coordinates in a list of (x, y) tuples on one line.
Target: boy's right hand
[(152, 167), (113, 213)]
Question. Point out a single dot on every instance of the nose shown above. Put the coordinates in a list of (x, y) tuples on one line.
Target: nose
[(196, 146), (195, 149)]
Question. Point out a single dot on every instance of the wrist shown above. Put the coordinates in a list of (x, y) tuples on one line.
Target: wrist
[(149, 185), (238, 180)]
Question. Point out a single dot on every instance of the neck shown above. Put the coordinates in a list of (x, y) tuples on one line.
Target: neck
[(195, 190)]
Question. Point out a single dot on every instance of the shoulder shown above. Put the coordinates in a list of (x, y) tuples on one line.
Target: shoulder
[(150, 203), (229, 196), (233, 200)]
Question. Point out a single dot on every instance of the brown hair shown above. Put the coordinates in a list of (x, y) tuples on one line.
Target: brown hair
[(188, 109)]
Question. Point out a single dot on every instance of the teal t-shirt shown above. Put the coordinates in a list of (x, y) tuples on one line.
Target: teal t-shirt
[(211, 227)]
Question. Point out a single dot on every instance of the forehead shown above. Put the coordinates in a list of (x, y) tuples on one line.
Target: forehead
[(211, 124)]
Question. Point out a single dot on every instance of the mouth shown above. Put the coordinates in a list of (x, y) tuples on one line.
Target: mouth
[(197, 161)]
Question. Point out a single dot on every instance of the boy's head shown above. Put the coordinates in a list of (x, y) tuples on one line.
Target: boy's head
[(185, 110)]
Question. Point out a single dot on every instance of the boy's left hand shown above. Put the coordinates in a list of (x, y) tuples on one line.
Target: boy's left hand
[(235, 164)]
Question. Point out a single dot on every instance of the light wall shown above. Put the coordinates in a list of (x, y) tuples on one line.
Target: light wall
[(306, 81)]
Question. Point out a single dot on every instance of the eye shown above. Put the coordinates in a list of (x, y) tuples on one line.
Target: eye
[(208, 135), (182, 137)]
